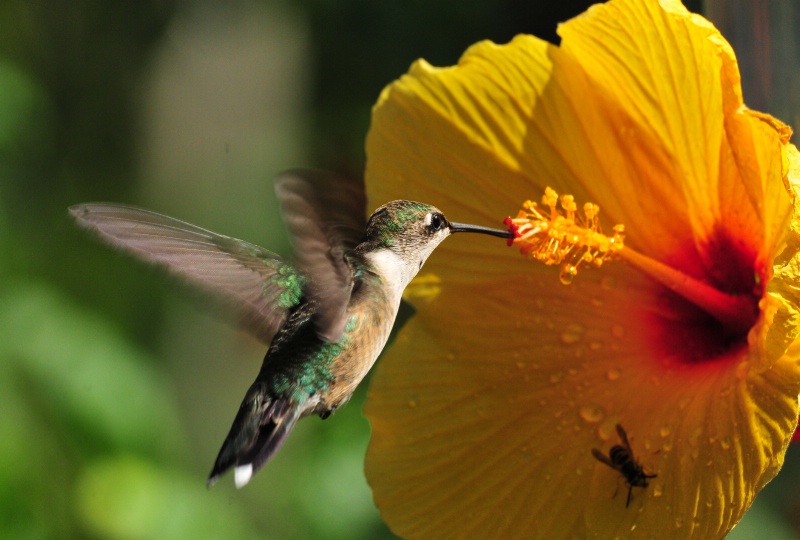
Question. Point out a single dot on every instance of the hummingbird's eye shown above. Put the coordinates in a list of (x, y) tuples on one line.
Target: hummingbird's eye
[(435, 221)]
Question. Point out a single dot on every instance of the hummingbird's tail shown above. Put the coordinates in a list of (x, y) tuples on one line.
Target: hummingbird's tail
[(260, 427)]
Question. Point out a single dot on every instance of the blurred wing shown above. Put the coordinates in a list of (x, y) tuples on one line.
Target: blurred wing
[(624, 438), (255, 282), (599, 456), (325, 216)]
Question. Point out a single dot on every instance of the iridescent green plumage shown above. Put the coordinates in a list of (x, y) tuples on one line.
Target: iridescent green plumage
[(291, 283)]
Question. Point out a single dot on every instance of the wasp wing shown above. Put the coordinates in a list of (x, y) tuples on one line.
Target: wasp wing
[(257, 284), (624, 438), (604, 458)]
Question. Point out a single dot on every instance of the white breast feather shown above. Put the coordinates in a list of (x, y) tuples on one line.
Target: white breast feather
[(395, 272)]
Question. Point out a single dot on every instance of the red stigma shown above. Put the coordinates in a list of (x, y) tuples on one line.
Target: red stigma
[(513, 228)]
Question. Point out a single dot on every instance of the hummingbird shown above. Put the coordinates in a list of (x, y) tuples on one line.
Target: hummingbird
[(325, 316)]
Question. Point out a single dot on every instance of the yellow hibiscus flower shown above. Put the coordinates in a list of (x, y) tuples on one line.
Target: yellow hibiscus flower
[(486, 410)]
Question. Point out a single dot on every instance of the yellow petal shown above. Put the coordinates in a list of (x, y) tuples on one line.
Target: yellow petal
[(483, 426), (690, 82), (495, 393), (666, 77)]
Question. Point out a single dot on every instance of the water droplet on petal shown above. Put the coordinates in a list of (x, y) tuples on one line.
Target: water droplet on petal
[(572, 334), (592, 413), (617, 331), (557, 377), (613, 374), (568, 273), (665, 431), (607, 429)]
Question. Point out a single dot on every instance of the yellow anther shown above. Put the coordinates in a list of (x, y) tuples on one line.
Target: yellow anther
[(550, 198), (591, 210), (563, 236), (568, 204)]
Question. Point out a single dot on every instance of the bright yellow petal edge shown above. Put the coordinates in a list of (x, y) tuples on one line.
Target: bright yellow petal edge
[(485, 411)]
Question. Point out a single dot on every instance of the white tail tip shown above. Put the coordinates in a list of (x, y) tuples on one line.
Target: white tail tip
[(242, 474)]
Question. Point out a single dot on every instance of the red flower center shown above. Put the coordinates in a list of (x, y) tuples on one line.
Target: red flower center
[(686, 332)]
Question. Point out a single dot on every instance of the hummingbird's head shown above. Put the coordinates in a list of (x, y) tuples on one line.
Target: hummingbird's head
[(412, 230), (409, 229)]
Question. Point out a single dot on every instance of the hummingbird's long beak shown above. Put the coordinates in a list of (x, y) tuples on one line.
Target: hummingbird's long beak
[(464, 227)]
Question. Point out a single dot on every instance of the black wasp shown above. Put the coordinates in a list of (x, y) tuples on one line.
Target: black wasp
[(620, 458)]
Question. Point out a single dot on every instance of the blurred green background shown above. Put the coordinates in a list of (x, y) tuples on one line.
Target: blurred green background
[(116, 386)]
